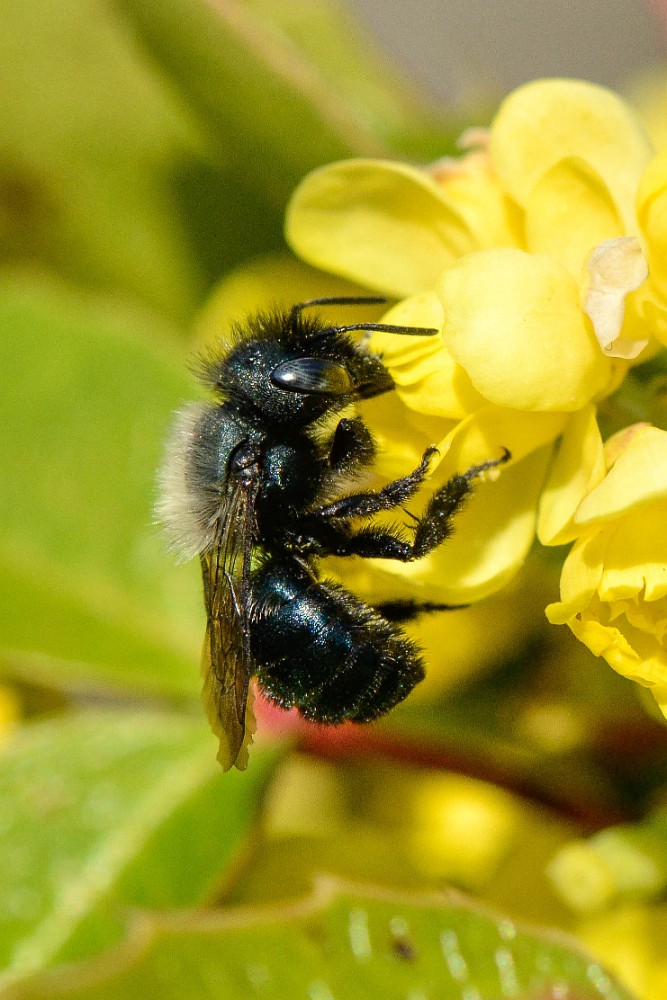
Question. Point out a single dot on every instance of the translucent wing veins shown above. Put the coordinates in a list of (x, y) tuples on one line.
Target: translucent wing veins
[(226, 658)]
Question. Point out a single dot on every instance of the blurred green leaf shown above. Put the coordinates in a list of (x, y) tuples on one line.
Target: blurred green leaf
[(351, 64), (284, 87), (103, 810), (87, 590), (473, 735), (153, 168), (92, 139), (343, 942)]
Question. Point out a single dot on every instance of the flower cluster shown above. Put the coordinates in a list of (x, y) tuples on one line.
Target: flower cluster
[(541, 256)]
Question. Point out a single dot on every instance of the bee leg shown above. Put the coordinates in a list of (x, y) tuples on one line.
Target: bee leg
[(436, 524), (433, 528), (373, 501), (406, 611), (352, 447)]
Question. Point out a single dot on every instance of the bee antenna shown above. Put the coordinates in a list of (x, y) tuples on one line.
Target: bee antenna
[(347, 300), (411, 331)]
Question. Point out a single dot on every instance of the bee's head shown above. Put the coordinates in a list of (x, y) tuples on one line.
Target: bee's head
[(292, 370)]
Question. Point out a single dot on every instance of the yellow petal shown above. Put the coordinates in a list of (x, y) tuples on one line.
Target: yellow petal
[(652, 214), (636, 557), (514, 322), (580, 576), (645, 317), (659, 692), (615, 268), (632, 652), (568, 211), (619, 442), (577, 468), (445, 391), (612, 643), (490, 430), (547, 121), (638, 478), (471, 185), (647, 93), (400, 351), (652, 309), (384, 225), (427, 378)]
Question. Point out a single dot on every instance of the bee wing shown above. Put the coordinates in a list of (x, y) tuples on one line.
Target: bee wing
[(226, 659)]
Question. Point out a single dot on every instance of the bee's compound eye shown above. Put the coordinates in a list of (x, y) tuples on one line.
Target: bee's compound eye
[(320, 376)]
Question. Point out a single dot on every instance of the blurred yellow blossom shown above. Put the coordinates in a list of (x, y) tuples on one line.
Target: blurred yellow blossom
[(461, 829), (630, 941), (10, 711), (647, 93), (622, 863)]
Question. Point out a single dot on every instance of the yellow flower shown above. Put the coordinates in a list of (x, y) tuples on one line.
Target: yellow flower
[(528, 254), (614, 580)]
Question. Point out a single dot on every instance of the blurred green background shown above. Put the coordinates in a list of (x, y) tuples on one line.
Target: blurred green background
[(146, 154)]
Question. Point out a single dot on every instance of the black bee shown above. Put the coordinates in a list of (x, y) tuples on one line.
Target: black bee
[(252, 483)]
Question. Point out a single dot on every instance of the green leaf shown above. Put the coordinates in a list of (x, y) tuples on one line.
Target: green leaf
[(343, 942), (87, 590), (283, 86), (105, 809)]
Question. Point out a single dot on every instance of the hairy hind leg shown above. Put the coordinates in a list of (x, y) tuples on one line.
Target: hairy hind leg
[(431, 529), (407, 611)]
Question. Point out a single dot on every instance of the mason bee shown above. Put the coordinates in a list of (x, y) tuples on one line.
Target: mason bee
[(254, 483)]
